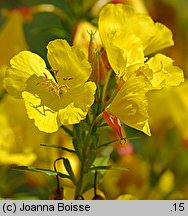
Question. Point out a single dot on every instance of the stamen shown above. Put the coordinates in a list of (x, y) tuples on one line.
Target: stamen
[(54, 87)]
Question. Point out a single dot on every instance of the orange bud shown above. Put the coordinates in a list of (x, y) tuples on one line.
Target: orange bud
[(113, 122)]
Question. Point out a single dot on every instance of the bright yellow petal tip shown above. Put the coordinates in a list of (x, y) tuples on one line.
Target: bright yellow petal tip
[(164, 72)]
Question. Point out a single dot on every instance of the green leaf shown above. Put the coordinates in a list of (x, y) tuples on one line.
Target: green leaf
[(119, 168), (109, 167), (45, 171), (69, 170), (58, 147), (117, 140), (101, 167), (67, 130)]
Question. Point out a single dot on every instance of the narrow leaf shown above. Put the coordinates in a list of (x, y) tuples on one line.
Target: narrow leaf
[(67, 130), (45, 171), (69, 170), (101, 167), (117, 140), (109, 167), (58, 147)]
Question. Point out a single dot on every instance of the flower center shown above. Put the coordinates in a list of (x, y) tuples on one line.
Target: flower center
[(54, 87)]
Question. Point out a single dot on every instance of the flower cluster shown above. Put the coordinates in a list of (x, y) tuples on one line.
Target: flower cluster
[(129, 38), (63, 94)]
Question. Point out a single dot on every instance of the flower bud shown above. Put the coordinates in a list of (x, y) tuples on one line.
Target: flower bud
[(113, 122)]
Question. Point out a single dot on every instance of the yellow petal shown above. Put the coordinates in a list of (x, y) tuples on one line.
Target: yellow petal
[(130, 104), (70, 115), (44, 117), (164, 72), (80, 99), (132, 32), (12, 39), (70, 62), (132, 47), (113, 19), (161, 39), (83, 96), (123, 51), (50, 112), (123, 47), (23, 66), (139, 70), (117, 59)]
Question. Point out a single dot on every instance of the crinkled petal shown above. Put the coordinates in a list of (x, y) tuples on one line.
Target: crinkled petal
[(70, 62), (79, 100), (50, 112), (122, 18), (133, 31), (160, 40), (164, 72), (123, 47), (123, 51), (70, 115), (83, 96), (44, 117), (23, 66), (130, 104)]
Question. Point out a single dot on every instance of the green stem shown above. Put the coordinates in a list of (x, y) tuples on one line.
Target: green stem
[(79, 185), (105, 86)]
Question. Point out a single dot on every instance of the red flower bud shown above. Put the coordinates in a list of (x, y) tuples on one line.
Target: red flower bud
[(113, 122)]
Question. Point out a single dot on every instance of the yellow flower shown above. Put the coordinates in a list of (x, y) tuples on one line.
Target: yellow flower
[(164, 72), (12, 39), (174, 110), (130, 104), (129, 36), (52, 100), (11, 149), (20, 140)]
